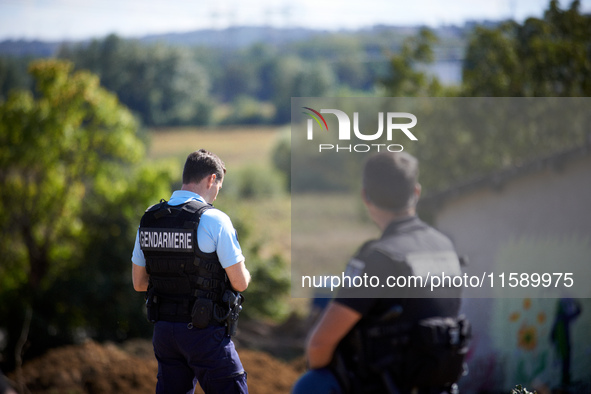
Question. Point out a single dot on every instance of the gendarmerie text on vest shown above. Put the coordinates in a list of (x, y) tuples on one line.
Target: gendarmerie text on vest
[(166, 239)]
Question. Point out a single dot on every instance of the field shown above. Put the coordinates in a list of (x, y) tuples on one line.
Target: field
[(237, 146)]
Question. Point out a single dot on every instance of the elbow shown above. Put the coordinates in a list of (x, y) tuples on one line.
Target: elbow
[(140, 284), (243, 282), (240, 287)]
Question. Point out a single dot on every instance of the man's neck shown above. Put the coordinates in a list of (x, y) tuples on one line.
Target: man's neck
[(191, 187), (383, 218)]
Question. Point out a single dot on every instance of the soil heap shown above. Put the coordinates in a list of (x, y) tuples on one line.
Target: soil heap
[(92, 368)]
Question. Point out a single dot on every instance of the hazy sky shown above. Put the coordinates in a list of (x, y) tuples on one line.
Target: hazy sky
[(79, 19)]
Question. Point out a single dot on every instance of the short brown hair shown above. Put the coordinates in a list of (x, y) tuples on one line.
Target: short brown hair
[(389, 180), (200, 164)]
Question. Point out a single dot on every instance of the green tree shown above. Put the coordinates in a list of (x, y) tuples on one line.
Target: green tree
[(51, 147), (67, 200), (406, 79), (293, 77), (550, 56), (163, 85), (13, 75)]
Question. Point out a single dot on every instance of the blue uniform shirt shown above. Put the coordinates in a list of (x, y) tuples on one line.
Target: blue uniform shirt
[(215, 233)]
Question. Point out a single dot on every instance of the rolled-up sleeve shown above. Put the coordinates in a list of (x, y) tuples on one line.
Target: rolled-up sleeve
[(137, 257), (217, 234)]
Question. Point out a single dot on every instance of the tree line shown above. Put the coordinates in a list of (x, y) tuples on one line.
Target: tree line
[(178, 85)]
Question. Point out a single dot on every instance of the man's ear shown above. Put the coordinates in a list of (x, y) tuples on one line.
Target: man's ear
[(211, 180), (365, 197)]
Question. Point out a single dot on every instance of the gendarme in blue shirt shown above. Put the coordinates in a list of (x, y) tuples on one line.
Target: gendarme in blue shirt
[(214, 234)]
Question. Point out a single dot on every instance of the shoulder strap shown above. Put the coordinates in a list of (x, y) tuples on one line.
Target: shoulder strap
[(156, 206), (197, 207)]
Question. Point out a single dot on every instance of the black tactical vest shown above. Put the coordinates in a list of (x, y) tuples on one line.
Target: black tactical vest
[(409, 342), (179, 271)]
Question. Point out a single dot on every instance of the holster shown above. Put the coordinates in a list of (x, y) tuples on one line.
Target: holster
[(151, 305), (234, 301)]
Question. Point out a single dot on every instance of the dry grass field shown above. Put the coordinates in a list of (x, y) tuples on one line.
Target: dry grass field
[(236, 145)]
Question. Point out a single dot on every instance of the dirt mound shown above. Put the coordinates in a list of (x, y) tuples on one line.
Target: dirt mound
[(94, 368), (89, 368)]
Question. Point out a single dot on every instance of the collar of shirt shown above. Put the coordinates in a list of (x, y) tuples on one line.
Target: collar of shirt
[(182, 196)]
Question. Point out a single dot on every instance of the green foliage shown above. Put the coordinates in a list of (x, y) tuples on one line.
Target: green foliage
[(253, 182), (406, 79), (13, 75), (293, 77), (171, 85), (541, 57), (50, 148), (163, 85), (281, 157), (267, 293), (246, 110), (70, 199)]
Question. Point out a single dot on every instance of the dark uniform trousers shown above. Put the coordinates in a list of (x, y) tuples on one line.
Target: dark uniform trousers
[(185, 353)]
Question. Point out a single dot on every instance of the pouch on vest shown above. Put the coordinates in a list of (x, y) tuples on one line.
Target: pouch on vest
[(436, 353), (202, 312)]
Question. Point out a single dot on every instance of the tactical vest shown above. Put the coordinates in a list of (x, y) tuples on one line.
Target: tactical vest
[(180, 273), (411, 342)]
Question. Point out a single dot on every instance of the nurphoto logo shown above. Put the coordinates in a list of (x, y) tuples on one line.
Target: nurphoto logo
[(344, 130)]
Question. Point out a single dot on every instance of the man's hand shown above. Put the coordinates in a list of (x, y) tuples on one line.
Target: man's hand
[(334, 324)]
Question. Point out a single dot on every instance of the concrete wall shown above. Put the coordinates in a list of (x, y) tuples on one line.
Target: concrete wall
[(539, 221)]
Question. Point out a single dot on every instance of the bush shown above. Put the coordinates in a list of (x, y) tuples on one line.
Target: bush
[(267, 293), (252, 182), (282, 157), (266, 296)]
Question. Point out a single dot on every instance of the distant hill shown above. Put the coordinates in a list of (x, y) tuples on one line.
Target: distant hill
[(230, 38), (21, 48), (234, 37)]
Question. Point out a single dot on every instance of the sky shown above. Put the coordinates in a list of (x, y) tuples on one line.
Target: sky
[(56, 20)]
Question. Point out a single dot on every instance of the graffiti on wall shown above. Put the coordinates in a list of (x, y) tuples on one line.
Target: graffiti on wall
[(540, 339)]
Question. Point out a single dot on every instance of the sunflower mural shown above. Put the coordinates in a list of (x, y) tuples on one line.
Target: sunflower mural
[(527, 337), (543, 340), (522, 335)]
